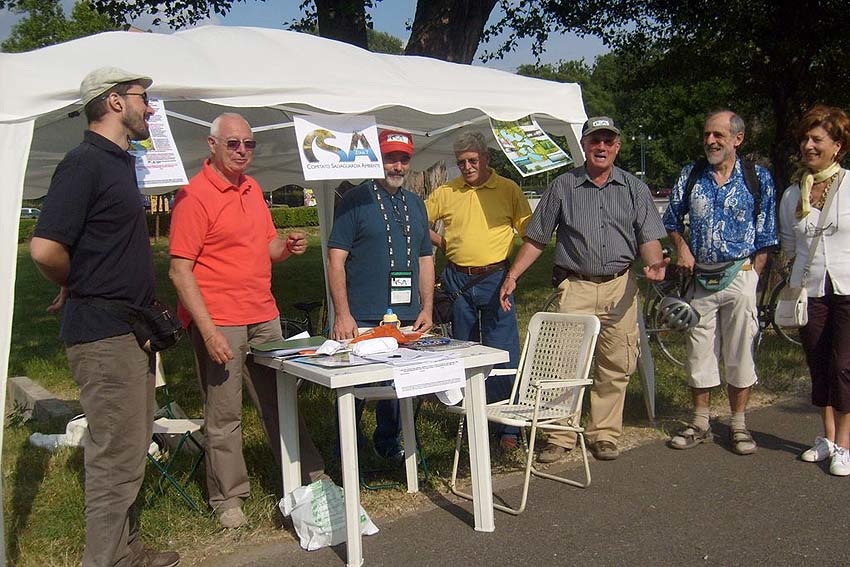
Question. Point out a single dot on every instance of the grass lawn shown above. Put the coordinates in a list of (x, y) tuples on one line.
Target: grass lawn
[(44, 514)]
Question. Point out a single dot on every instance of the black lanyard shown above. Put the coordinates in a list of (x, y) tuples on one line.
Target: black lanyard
[(389, 218)]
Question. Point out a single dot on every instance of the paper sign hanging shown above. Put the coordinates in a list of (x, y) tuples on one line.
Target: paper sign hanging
[(158, 162), (428, 377), (528, 147), (338, 147)]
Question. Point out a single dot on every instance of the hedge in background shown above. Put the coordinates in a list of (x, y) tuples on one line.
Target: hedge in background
[(25, 230), (288, 217), (283, 217)]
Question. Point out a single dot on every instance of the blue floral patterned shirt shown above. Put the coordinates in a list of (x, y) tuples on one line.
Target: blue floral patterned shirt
[(722, 226)]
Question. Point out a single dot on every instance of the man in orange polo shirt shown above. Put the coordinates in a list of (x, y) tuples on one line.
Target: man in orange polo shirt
[(223, 243)]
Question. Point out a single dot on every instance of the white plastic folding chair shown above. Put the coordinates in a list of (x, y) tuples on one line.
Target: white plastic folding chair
[(185, 432), (549, 389)]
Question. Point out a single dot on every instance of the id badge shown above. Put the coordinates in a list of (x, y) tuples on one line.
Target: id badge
[(401, 288)]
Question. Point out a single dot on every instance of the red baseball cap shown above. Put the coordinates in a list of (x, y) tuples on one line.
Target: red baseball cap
[(394, 141)]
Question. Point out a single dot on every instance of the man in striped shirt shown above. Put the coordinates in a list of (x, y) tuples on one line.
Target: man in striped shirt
[(603, 218)]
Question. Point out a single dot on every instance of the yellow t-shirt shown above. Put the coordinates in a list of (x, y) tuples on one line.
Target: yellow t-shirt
[(479, 221)]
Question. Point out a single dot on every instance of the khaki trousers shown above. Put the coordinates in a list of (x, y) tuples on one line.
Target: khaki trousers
[(615, 303), (116, 380), (221, 389)]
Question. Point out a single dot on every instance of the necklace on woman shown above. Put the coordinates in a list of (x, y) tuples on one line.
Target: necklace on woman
[(819, 202)]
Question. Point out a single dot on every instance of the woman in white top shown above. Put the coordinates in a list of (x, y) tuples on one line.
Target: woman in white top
[(824, 187)]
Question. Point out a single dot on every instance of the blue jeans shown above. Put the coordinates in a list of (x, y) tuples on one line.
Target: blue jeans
[(478, 316), (387, 436)]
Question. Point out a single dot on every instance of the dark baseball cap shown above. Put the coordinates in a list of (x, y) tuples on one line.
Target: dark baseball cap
[(598, 123)]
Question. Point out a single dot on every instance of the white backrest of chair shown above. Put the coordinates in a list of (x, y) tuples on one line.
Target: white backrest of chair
[(559, 346)]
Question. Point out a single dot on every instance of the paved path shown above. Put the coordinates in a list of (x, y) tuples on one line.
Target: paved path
[(652, 506)]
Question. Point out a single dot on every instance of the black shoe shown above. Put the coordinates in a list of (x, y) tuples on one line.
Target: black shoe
[(394, 454)]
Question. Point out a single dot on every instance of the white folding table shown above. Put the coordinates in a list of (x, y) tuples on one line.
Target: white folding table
[(478, 361)]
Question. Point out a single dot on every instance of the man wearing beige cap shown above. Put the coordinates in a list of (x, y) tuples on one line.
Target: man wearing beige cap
[(92, 240), (605, 218)]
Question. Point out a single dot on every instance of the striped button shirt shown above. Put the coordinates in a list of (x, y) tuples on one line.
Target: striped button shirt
[(599, 229)]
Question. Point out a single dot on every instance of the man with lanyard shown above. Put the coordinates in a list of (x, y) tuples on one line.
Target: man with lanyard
[(379, 258), (223, 244), (604, 218), (481, 212), (728, 226), (92, 240)]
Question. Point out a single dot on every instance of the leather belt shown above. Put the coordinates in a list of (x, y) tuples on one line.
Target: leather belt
[(475, 270), (595, 279)]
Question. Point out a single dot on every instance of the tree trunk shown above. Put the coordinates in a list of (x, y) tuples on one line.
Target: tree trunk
[(342, 20), (449, 29)]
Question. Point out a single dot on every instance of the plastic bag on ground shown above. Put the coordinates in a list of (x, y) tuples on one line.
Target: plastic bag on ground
[(318, 514)]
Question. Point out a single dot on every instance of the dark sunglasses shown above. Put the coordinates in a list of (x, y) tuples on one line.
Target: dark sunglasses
[(233, 144), (143, 95)]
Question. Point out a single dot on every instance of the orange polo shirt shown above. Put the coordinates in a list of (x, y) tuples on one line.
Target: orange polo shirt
[(226, 231)]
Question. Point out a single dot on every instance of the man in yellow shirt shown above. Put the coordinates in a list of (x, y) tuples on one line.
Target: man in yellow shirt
[(481, 213)]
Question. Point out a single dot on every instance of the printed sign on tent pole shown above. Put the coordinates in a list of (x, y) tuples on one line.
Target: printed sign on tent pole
[(158, 162), (528, 147), (338, 147)]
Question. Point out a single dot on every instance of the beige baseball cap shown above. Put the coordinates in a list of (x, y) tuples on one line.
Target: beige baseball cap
[(101, 80)]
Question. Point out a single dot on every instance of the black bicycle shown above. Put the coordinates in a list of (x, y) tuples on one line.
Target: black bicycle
[(671, 342), (291, 326)]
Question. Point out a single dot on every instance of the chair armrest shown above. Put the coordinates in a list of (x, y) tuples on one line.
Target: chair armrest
[(503, 372), (553, 384)]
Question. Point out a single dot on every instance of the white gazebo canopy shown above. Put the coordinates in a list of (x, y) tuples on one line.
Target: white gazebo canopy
[(269, 76)]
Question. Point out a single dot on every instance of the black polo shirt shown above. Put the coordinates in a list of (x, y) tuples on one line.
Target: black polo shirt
[(95, 208)]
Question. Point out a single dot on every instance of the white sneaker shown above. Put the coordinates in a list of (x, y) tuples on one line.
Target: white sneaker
[(822, 449), (840, 464)]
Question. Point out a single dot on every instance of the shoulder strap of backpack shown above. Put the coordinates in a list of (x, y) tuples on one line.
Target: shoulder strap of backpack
[(751, 179), (693, 177)]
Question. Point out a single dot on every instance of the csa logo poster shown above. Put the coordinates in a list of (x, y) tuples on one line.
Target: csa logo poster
[(338, 147)]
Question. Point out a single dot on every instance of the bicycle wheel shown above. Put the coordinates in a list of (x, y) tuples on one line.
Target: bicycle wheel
[(670, 342), (790, 334), (291, 327), (552, 302)]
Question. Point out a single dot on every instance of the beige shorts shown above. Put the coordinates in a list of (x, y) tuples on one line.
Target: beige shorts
[(727, 326)]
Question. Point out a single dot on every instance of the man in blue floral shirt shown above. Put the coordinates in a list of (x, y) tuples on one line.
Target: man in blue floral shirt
[(732, 228)]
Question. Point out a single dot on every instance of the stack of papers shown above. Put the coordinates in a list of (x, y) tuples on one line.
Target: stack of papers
[(405, 357), (277, 349)]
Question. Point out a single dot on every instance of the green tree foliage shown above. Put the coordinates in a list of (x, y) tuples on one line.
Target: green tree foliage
[(771, 59), (45, 24), (382, 42)]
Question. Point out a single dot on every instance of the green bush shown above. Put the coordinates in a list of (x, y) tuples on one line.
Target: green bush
[(288, 217), (25, 230)]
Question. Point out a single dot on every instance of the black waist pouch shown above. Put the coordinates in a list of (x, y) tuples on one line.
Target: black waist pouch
[(156, 326)]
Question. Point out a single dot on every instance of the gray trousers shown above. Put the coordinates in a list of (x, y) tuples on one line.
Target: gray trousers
[(221, 388), (116, 380)]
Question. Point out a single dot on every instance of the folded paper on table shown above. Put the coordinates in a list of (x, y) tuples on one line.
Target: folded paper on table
[(374, 346), (451, 397)]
